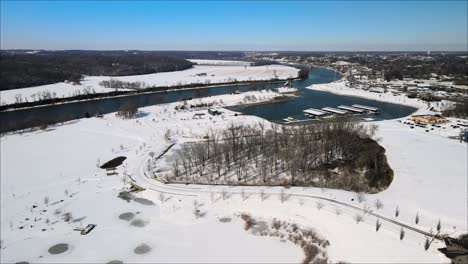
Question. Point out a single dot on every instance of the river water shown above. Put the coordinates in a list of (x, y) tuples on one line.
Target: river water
[(319, 99), (23, 118)]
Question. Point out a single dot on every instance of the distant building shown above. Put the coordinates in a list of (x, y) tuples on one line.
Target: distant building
[(214, 112), (429, 119), (464, 135)]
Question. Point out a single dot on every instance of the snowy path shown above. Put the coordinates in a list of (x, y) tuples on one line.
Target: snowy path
[(141, 178)]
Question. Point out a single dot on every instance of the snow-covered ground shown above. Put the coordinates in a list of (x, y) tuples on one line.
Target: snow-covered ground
[(198, 74), (62, 161), (219, 62), (340, 88)]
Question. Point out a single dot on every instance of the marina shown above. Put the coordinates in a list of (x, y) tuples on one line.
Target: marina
[(342, 110)]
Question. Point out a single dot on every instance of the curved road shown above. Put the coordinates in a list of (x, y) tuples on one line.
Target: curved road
[(144, 180)]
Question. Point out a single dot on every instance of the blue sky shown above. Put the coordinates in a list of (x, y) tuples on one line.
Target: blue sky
[(235, 25)]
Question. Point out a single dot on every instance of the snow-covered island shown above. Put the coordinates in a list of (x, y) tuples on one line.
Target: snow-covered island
[(206, 73), (52, 184)]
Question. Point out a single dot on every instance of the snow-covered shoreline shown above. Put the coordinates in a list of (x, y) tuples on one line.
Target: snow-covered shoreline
[(199, 74), (340, 88)]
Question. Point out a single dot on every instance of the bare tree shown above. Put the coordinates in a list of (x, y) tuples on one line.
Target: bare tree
[(360, 197), (427, 244), (319, 205), (67, 217), (224, 194), (263, 195), (196, 210), (402, 233), (338, 211), (167, 135), (127, 110), (397, 211), (162, 197), (46, 201), (283, 196), (243, 195), (18, 98), (378, 204), (439, 226), (416, 219), (377, 225), (358, 218)]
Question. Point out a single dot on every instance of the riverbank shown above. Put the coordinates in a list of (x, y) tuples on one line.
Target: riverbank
[(340, 88), (120, 94), (198, 76)]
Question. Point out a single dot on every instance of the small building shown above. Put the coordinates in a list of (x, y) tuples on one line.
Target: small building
[(288, 84), (429, 119), (214, 112)]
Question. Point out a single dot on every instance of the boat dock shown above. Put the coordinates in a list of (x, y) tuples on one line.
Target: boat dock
[(329, 112), (335, 110), (352, 109), (365, 107), (314, 112)]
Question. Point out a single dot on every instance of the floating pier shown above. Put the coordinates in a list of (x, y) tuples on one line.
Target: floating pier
[(352, 109), (335, 110), (314, 112), (365, 107)]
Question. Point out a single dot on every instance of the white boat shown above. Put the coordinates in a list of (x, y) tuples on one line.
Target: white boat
[(289, 119)]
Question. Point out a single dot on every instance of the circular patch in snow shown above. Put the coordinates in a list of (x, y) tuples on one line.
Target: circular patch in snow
[(142, 249), (143, 201), (126, 216), (225, 220), (58, 249), (126, 196), (115, 262), (138, 223)]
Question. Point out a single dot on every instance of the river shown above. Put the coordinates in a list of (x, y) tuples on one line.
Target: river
[(24, 118)]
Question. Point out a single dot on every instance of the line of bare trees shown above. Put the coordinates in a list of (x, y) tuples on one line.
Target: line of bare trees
[(280, 155)]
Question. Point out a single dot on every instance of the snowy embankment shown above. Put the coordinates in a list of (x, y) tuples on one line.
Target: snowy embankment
[(340, 88), (430, 179), (198, 74), (220, 62)]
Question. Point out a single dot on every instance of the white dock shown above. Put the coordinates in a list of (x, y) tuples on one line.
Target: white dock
[(314, 112), (365, 107), (335, 110), (352, 109)]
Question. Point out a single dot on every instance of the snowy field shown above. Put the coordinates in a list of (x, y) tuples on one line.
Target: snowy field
[(61, 163), (220, 62), (198, 74)]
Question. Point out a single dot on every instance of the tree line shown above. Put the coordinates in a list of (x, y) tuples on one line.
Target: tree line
[(21, 70)]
